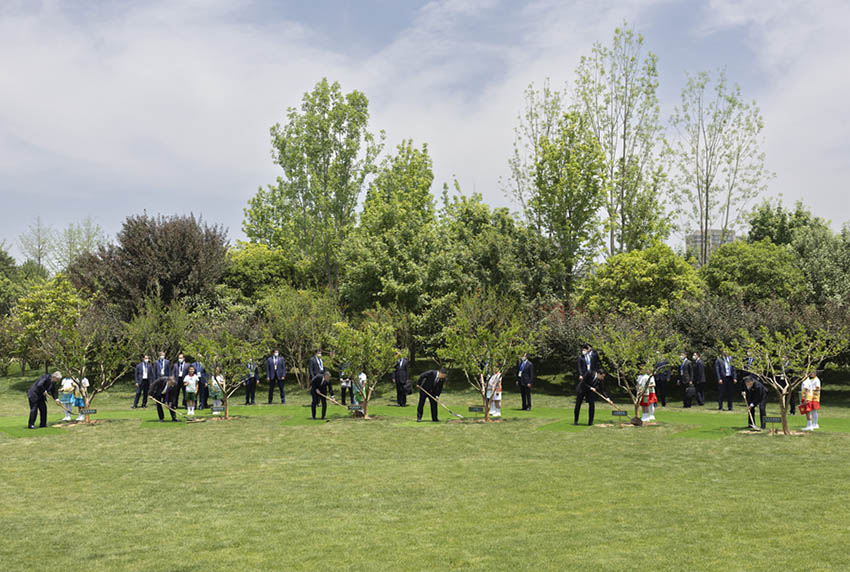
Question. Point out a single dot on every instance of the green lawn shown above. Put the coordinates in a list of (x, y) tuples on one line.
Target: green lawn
[(274, 490)]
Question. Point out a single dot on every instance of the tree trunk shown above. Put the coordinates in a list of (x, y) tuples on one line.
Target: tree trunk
[(783, 405), (637, 407), (487, 407), (226, 407)]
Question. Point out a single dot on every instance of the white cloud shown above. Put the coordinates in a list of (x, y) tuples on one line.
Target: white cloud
[(169, 103), (803, 48)]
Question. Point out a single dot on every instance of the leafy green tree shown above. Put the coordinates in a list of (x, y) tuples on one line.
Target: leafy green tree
[(76, 239), (486, 332), (648, 281), (770, 219), (326, 153), (386, 257), (38, 243), (79, 335), (253, 268), (158, 327), (569, 190), (754, 272), (822, 258), (720, 164), (778, 352), (45, 308), (229, 354), (629, 346), (539, 119), (369, 348), (297, 322), (616, 94), (168, 257)]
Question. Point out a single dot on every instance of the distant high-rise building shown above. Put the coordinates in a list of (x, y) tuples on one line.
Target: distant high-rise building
[(716, 238)]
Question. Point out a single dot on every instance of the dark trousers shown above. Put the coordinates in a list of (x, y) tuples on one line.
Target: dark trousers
[(180, 389), (348, 390), (203, 394), (661, 391), (250, 391), (421, 407), (316, 400), (142, 389), (525, 392), (38, 407), (686, 396), (161, 414), (279, 384), (174, 393), (762, 412), (400, 394), (591, 407), (724, 392), (700, 388)]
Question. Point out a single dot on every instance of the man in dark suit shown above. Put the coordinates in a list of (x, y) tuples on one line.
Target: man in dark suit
[(587, 361), (727, 377), (525, 379), (37, 394), (584, 392), (178, 371), (159, 391), (161, 367), (400, 377), (432, 382), (203, 388), (276, 374), (143, 377), (755, 396), (320, 388), (250, 380), (662, 376), (316, 366), (686, 376), (699, 379)]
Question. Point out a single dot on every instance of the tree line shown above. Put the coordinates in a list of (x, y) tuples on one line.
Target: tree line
[(352, 237)]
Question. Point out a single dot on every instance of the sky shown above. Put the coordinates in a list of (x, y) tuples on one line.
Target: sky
[(114, 108)]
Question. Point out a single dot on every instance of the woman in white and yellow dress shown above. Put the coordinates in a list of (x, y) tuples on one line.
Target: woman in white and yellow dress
[(810, 400)]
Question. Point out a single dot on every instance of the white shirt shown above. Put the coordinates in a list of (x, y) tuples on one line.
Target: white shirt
[(191, 382)]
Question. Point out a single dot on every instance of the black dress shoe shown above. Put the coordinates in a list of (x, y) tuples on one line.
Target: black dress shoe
[(134, 407), (575, 422), (418, 419), (31, 427), (162, 420)]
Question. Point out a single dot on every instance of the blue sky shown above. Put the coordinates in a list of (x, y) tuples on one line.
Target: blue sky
[(113, 108)]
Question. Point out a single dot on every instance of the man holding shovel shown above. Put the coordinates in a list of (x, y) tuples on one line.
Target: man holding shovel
[(430, 387), (591, 385), (755, 396)]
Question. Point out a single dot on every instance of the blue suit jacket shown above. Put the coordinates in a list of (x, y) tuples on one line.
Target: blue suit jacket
[(139, 372), (720, 369), (199, 369), (275, 373), (157, 369), (175, 370)]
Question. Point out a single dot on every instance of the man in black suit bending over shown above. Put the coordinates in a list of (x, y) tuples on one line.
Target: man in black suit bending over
[(432, 382), (37, 396), (584, 392)]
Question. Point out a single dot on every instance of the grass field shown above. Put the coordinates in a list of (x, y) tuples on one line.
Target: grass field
[(274, 490)]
